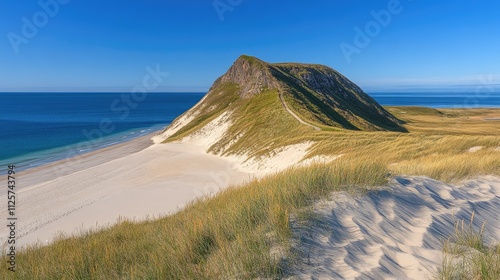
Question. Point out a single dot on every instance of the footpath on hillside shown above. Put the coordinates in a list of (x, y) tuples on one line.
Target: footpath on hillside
[(295, 115)]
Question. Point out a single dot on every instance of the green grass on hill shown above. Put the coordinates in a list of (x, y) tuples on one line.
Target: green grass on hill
[(213, 106), (259, 126)]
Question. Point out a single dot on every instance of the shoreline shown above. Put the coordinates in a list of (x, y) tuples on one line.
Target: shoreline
[(81, 162), (136, 180), (64, 153)]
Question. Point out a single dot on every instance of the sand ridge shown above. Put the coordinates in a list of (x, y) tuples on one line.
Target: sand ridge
[(393, 233)]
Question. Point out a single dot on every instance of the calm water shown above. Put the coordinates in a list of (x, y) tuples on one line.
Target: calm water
[(37, 128), (438, 100), (41, 127)]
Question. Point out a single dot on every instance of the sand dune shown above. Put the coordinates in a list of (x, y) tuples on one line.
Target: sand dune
[(394, 233)]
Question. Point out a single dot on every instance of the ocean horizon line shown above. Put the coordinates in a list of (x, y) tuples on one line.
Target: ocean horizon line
[(467, 88)]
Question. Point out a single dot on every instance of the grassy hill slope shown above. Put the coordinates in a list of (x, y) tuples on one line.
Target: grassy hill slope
[(257, 94)]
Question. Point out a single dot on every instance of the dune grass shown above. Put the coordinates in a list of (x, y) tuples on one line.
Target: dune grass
[(438, 144), (465, 255), (232, 235), (228, 236), (259, 126)]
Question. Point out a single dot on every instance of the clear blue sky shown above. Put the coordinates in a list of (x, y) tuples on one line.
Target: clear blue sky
[(108, 44)]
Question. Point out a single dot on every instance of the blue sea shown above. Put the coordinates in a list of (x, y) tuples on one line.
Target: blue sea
[(37, 128), (481, 99)]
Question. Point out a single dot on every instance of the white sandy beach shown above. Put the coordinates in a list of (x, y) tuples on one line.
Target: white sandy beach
[(118, 182)]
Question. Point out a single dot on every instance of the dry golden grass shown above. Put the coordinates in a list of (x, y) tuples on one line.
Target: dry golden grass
[(437, 144), (226, 237)]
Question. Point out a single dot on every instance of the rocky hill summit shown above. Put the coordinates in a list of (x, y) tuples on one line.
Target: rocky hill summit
[(256, 103)]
